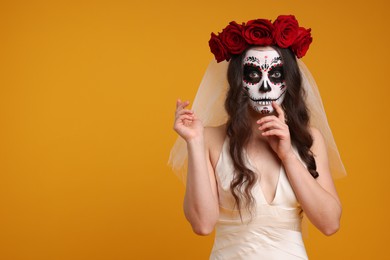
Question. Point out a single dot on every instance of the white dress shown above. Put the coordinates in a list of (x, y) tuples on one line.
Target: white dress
[(275, 229)]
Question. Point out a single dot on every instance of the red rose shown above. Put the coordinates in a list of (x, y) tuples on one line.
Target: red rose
[(286, 30), (302, 42), (232, 38), (218, 49), (258, 32)]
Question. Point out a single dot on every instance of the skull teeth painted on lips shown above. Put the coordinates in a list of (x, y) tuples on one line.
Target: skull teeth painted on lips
[(266, 101)]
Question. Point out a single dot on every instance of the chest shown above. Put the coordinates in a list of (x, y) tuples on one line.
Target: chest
[(272, 186)]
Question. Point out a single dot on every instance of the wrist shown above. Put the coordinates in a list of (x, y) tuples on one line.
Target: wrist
[(195, 140), (289, 156)]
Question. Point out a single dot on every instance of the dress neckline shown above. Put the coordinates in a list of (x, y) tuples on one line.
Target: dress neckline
[(260, 188), (277, 188)]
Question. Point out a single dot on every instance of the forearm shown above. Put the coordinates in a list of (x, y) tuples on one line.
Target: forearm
[(200, 203), (320, 206)]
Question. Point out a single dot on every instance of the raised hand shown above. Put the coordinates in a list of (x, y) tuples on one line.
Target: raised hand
[(277, 132), (187, 125)]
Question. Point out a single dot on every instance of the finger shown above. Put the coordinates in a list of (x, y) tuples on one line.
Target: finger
[(183, 111), (185, 117), (278, 110), (181, 105), (267, 119), (178, 102), (272, 125), (183, 120), (275, 132)]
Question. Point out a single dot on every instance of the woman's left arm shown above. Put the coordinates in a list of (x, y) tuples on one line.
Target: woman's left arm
[(318, 197)]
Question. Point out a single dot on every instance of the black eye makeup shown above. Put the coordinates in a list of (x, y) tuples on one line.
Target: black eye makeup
[(252, 73), (276, 74)]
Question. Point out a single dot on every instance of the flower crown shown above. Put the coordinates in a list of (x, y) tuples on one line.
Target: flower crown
[(283, 32)]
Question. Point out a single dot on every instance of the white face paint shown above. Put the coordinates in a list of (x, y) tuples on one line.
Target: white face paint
[(263, 79)]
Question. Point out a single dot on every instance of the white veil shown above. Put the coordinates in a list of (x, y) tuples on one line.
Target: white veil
[(208, 105)]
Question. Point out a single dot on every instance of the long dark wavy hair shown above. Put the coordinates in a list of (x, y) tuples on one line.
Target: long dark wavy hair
[(239, 129)]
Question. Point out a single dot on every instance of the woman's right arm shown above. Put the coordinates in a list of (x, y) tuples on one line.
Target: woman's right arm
[(201, 198)]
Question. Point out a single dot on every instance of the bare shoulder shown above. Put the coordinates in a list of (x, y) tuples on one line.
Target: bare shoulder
[(215, 132), (319, 145), (214, 139), (320, 153), (315, 133)]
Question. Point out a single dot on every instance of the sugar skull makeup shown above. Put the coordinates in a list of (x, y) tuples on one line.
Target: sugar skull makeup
[(263, 79)]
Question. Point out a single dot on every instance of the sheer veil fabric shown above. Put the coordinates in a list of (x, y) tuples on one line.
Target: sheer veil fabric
[(208, 105)]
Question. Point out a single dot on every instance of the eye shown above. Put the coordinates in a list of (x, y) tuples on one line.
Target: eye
[(276, 75), (252, 73)]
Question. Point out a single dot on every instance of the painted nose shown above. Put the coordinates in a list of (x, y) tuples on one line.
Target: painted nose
[(264, 87)]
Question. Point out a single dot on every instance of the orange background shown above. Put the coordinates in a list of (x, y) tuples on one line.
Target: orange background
[(87, 95)]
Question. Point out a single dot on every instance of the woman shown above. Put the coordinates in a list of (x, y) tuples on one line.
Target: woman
[(252, 177)]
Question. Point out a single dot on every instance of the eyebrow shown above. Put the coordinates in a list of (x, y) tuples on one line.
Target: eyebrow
[(252, 59), (275, 60)]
